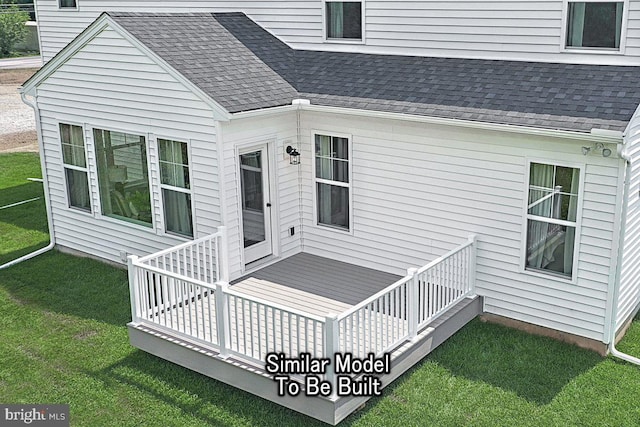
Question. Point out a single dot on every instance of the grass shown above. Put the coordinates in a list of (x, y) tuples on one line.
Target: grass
[(64, 340), (23, 228)]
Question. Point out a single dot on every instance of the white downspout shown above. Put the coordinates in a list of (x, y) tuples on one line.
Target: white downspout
[(625, 200), (45, 182)]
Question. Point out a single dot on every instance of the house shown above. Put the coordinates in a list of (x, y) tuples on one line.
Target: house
[(331, 178)]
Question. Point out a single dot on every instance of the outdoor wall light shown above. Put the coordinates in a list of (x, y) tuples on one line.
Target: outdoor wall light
[(294, 155), (599, 146)]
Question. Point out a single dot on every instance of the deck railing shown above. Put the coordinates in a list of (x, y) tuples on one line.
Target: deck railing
[(171, 291)]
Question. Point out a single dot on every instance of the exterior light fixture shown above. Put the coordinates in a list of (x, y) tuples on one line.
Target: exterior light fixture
[(599, 146), (294, 156)]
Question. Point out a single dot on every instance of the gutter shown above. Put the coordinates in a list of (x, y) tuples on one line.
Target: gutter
[(45, 181), (596, 135), (625, 201)]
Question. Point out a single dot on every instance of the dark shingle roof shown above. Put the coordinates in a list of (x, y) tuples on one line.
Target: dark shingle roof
[(243, 67)]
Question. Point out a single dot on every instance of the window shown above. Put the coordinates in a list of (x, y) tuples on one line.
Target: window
[(123, 176), (176, 187), (596, 25), (344, 19), (67, 4), (75, 166), (551, 218), (332, 181)]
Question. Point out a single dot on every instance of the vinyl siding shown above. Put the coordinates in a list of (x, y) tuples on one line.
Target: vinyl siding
[(629, 293), (110, 84), (499, 29), (420, 190), (278, 131)]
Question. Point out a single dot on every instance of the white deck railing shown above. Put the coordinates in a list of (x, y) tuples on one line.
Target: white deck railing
[(171, 290)]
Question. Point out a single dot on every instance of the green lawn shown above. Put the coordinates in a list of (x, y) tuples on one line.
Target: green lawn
[(63, 340), (23, 228)]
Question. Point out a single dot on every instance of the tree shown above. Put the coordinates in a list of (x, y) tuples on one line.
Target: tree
[(12, 27)]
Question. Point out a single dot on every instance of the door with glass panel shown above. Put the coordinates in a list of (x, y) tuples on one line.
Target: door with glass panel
[(256, 204)]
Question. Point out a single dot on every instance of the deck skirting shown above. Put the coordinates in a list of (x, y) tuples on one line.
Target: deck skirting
[(253, 379)]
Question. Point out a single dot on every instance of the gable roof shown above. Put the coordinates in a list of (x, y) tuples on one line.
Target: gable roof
[(243, 67)]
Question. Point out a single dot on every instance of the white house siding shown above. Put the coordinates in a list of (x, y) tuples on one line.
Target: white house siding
[(109, 84), (419, 190), (278, 131), (629, 294), (500, 29)]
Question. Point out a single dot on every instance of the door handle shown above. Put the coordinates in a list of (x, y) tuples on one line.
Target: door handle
[(268, 205)]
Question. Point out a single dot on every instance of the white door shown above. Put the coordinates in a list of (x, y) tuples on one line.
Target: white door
[(256, 203)]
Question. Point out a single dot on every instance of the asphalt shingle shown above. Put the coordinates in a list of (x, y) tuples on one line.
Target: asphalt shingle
[(244, 67)]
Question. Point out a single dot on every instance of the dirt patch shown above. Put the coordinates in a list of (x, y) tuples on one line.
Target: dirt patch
[(17, 122), (16, 76), (19, 142), (84, 335)]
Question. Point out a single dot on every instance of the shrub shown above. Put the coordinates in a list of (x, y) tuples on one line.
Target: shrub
[(12, 28)]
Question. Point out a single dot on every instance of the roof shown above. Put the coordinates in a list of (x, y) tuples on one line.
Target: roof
[(243, 67)]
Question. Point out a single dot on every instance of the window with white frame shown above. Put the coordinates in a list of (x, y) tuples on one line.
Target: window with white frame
[(594, 25), (67, 4), (552, 218), (123, 176), (332, 181), (175, 183), (343, 20), (75, 166)]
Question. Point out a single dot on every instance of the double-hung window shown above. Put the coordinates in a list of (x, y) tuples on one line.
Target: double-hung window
[(332, 181), (176, 186), (343, 20), (594, 25), (123, 176), (552, 212), (75, 166)]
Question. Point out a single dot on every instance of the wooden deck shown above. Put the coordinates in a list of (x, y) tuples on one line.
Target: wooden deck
[(313, 288), (314, 284)]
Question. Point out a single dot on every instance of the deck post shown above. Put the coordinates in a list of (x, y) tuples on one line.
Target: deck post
[(223, 254), (413, 303), (331, 347), (133, 287), (473, 239), (222, 325)]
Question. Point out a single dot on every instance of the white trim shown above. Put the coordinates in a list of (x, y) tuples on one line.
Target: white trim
[(577, 224), (594, 51), (74, 167), (314, 180), (361, 40), (580, 137), (161, 186)]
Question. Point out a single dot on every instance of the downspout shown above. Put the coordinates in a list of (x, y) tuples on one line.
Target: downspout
[(625, 201), (45, 182)]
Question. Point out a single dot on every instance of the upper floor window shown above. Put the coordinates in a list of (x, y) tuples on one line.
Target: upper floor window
[(596, 25), (552, 212), (123, 176), (75, 166), (68, 4), (343, 20)]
